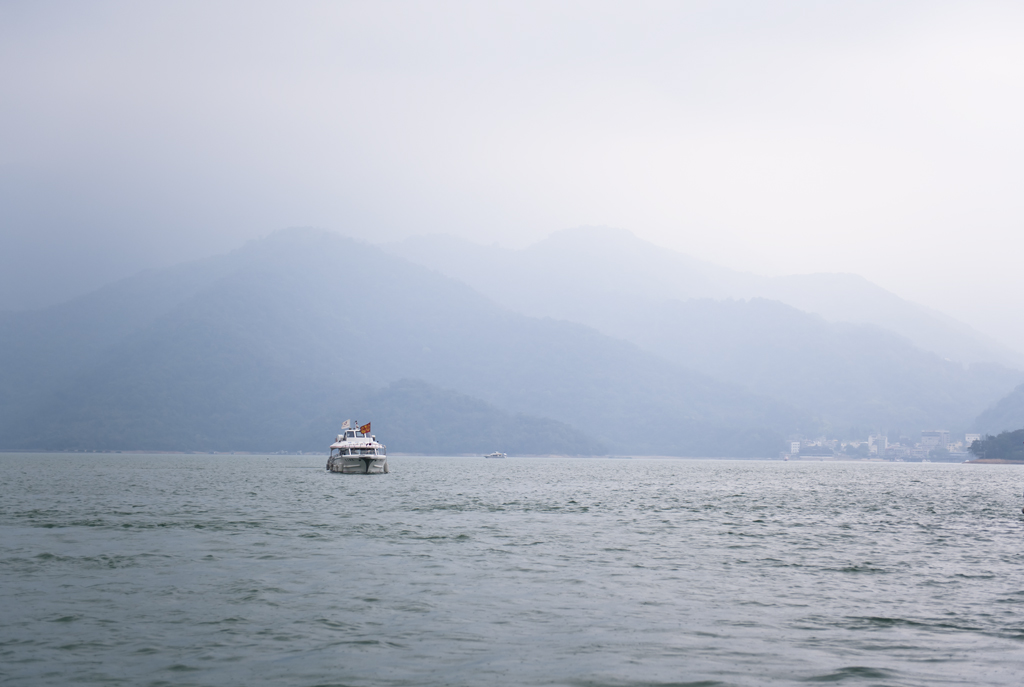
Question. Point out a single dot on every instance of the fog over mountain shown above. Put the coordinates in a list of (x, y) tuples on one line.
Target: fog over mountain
[(270, 346), (264, 348), (822, 205), (862, 358), (574, 272), (1005, 415), (793, 138)]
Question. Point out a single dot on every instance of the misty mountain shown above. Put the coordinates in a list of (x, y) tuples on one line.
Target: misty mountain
[(260, 349), (42, 349), (1006, 415), (422, 418), (856, 377), (574, 273)]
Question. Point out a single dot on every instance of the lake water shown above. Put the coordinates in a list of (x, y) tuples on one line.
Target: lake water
[(253, 570)]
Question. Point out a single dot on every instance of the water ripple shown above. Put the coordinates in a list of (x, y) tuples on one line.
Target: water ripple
[(228, 570)]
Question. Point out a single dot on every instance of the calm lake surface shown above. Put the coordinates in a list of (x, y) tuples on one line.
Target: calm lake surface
[(252, 570)]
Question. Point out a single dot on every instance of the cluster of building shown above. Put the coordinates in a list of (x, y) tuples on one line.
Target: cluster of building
[(934, 444)]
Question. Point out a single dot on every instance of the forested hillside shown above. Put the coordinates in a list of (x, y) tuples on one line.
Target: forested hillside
[(1004, 446)]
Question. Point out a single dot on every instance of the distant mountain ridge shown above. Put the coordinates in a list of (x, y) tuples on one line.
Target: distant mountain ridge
[(583, 265), (1005, 415), (272, 345), (858, 378), (259, 349), (845, 366)]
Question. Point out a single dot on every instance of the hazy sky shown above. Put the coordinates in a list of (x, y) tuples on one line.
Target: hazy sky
[(881, 138)]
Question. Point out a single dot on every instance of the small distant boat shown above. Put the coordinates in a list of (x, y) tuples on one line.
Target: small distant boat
[(357, 452), (495, 455)]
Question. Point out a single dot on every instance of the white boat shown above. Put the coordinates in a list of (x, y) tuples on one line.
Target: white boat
[(357, 452), (495, 455)]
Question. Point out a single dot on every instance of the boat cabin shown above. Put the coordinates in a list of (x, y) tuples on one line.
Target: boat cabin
[(358, 451), (354, 443)]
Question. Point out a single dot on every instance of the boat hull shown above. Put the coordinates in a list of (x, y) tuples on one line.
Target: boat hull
[(358, 465)]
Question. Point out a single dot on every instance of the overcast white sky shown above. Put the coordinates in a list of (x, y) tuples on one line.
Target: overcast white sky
[(881, 138)]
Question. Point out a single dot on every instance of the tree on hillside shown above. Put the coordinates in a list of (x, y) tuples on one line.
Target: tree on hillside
[(1004, 446)]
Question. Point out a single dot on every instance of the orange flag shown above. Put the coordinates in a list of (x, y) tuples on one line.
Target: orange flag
[(365, 429)]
